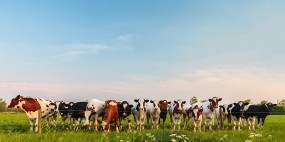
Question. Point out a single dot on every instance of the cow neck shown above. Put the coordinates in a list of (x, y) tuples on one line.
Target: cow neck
[(211, 107)]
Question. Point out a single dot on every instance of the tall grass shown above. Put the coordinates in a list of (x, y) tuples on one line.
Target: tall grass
[(15, 127)]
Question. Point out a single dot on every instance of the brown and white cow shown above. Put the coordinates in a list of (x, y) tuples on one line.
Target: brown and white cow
[(163, 105), (197, 116), (111, 115), (175, 111), (31, 106), (209, 110)]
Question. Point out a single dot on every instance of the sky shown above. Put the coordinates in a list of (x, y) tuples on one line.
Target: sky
[(74, 50)]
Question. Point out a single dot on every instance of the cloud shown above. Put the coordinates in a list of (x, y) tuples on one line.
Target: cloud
[(232, 84), (93, 47), (126, 37)]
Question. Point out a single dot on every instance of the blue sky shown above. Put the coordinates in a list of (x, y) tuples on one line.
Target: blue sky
[(157, 49)]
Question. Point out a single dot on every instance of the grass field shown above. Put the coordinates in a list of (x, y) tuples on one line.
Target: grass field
[(15, 127)]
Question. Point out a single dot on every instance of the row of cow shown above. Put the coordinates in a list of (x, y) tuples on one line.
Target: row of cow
[(153, 110)]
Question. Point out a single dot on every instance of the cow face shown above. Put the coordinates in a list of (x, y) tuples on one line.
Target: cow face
[(141, 104), (197, 112), (215, 102), (270, 106), (179, 105), (15, 102), (124, 108), (156, 104), (164, 105)]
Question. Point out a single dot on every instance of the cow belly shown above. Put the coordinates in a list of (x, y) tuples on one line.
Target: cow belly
[(176, 115)]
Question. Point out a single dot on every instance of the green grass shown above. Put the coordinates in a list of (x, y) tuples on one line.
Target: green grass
[(15, 127)]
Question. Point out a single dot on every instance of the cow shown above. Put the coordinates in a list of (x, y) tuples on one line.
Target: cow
[(63, 108), (222, 115), (139, 112), (208, 110), (175, 111), (124, 113), (267, 111), (31, 106), (94, 109), (77, 113), (187, 114), (153, 113), (235, 111), (163, 110), (251, 112), (111, 115), (197, 116)]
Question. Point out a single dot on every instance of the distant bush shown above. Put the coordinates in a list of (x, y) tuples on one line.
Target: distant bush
[(278, 110)]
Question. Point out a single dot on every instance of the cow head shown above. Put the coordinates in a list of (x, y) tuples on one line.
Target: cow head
[(124, 108), (16, 102), (197, 112), (270, 106), (164, 105), (156, 104), (179, 105), (141, 104), (214, 102)]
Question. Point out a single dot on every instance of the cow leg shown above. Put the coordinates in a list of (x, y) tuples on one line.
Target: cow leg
[(205, 123), (96, 123), (253, 123), (263, 119), (185, 121), (194, 125), (239, 123), (211, 122), (31, 125), (116, 124), (179, 121), (129, 124), (248, 123)]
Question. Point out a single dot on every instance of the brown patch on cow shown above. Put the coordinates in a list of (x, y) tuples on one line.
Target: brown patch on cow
[(30, 104)]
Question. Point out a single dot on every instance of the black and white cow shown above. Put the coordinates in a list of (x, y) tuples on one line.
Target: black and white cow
[(77, 113), (235, 110), (125, 110), (253, 111), (63, 108), (267, 111)]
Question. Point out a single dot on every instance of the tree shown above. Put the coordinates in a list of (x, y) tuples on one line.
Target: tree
[(193, 100), (263, 102), (2, 105), (204, 101), (281, 103), (247, 101)]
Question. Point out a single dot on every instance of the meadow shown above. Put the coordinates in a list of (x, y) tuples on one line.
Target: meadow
[(15, 128)]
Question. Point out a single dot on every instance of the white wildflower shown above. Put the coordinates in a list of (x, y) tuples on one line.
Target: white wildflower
[(221, 139), (121, 141), (179, 137), (225, 135), (173, 140), (258, 135), (172, 135), (248, 140)]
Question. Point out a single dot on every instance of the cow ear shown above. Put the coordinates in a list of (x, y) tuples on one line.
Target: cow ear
[(184, 102), (18, 97), (274, 104), (146, 100), (201, 110), (169, 102), (210, 100), (118, 103), (136, 100), (131, 106), (151, 101), (219, 99), (160, 102), (246, 103), (175, 101)]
